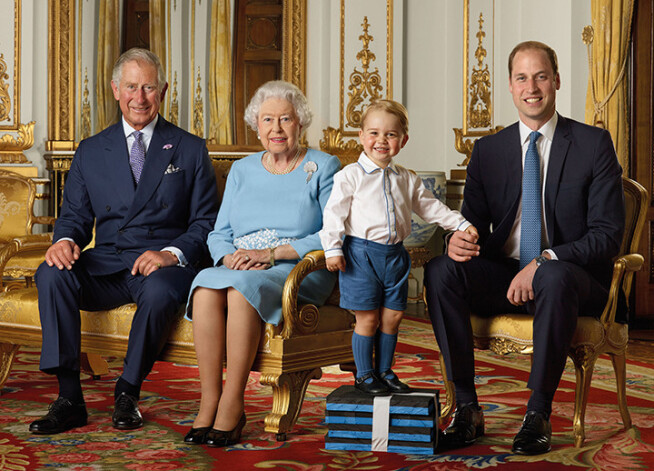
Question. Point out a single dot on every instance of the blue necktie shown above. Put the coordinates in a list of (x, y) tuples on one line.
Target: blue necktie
[(137, 155), (530, 232)]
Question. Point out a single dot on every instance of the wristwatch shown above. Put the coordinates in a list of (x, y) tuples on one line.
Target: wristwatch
[(541, 259)]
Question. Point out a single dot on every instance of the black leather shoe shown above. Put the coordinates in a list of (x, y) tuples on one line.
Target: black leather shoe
[(197, 436), (393, 383), (219, 438), (126, 414), (62, 415), (534, 436), (466, 426), (376, 387)]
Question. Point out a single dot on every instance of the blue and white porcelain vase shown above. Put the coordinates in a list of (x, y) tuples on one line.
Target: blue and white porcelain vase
[(421, 231)]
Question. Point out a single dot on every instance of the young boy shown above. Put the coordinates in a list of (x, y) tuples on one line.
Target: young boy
[(371, 204)]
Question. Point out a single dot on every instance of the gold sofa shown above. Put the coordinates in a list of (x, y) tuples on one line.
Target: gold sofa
[(289, 355), (512, 333)]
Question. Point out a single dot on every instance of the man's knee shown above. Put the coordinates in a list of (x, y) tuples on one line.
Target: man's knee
[(164, 293), (556, 279), (441, 272), (49, 277)]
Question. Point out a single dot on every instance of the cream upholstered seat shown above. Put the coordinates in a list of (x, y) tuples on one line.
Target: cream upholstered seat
[(512, 333), (289, 355)]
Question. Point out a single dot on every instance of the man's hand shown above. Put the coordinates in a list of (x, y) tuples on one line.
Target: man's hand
[(153, 260), (462, 245), (336, 263), (62, 254)]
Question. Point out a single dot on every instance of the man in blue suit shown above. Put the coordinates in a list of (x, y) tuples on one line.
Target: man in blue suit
[(149, 188), (545, 247)]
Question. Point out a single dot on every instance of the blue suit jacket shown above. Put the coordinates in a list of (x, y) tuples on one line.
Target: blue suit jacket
[(174, 204), (584, 199)]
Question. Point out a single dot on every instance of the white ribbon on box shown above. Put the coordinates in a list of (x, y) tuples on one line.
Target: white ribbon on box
[(381, 418)]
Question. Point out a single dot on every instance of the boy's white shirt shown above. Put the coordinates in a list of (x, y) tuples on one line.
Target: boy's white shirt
[(375, 204)]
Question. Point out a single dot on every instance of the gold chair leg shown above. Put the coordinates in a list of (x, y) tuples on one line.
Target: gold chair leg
[(450, 396), (584, 360), (94, 364), (7, 353), (620, 368), (288, 394)]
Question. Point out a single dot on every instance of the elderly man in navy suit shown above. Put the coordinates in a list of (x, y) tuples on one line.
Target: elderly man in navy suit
[(546, 196), (149, 188)]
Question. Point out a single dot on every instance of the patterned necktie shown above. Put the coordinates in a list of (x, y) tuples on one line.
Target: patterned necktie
[(530, 232), (137, 155)]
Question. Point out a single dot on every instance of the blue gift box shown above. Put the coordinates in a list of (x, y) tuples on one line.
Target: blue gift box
[(399, 423)]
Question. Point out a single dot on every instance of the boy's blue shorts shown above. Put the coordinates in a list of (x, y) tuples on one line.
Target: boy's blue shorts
[(376, 275)]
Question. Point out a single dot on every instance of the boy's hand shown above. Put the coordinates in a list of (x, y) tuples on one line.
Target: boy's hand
[(462, 246), (336, 263)]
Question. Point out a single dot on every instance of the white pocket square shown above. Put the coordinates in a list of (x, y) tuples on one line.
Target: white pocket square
[(171, 169)]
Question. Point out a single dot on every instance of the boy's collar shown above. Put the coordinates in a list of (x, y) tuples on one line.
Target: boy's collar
[(369, 166)]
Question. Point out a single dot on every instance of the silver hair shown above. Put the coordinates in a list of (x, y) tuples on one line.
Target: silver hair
[(138, 55), (283, 90)]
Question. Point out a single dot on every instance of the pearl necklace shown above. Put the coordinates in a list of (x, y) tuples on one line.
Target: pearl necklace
[(271, 167)]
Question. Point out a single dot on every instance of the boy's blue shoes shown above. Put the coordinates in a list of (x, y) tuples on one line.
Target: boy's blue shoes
[(371, 384), (393, 383)]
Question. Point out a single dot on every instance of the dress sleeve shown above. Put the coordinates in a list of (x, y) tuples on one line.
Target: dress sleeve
[(220, 240), (325, 183)]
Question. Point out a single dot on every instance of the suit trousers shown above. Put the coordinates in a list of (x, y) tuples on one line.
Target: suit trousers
[(62, 293), (562, 291)]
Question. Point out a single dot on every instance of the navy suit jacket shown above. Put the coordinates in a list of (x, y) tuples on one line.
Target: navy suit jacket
[(174, 204), (584, 199)]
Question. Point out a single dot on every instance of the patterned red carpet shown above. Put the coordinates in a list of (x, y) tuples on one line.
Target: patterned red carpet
[(171, 395)]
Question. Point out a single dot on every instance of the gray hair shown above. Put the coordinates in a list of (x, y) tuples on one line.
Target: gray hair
[(283, 90), (138, 55)]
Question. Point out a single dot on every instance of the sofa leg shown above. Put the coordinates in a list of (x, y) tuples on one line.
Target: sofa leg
[(94, 364), (288, 394), (7, 352)]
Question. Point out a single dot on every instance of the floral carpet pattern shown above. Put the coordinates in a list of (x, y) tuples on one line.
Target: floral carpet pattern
[(170, 397)]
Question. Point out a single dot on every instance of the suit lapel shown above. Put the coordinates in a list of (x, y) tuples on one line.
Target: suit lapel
[(156, 161), (116, 163), (558, 153)]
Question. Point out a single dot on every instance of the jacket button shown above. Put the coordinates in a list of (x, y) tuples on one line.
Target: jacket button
[(108, 208), (119, 250), (164, 205), (150, 233), (121, 231)]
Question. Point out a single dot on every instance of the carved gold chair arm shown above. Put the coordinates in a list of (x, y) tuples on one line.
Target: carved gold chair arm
[(26, 243), (300, 319), (46, 220), (623, 266)]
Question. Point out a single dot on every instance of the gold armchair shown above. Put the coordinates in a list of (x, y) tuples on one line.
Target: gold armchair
[(512, 333), (17, 219)]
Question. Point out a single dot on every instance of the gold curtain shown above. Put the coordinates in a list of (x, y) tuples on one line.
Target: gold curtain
[(220, 74), (608, 44), (158, 30), (108, 52)]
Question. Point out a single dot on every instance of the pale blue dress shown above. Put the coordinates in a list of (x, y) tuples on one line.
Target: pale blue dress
[(261, 210)]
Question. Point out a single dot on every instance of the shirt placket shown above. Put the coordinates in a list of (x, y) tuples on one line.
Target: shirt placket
[(390, 206)]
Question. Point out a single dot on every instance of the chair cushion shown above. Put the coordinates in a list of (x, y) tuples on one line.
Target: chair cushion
[(24, 264), (513, 327)]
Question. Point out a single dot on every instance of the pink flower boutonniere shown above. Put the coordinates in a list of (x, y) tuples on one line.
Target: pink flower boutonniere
[(168, 146), (310, 167)]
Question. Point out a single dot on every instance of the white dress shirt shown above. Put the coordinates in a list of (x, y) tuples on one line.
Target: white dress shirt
[(374, 203), (544, 145)]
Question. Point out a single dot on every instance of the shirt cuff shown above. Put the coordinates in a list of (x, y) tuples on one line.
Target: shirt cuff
[(463, 226), (182, 262), (330, 253), (552, 254)]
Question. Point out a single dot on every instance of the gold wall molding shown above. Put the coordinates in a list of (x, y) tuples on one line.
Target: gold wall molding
[(477, 87), (86, 109), (5, 101), (12, 147), (198, 109), (61, 75), (174, 105), (294, 61), (363, 83)]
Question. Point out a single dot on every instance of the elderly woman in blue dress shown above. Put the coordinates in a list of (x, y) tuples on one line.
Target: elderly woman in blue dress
[(269, 218)]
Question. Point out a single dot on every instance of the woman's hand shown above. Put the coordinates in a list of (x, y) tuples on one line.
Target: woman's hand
[(248, 260)]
